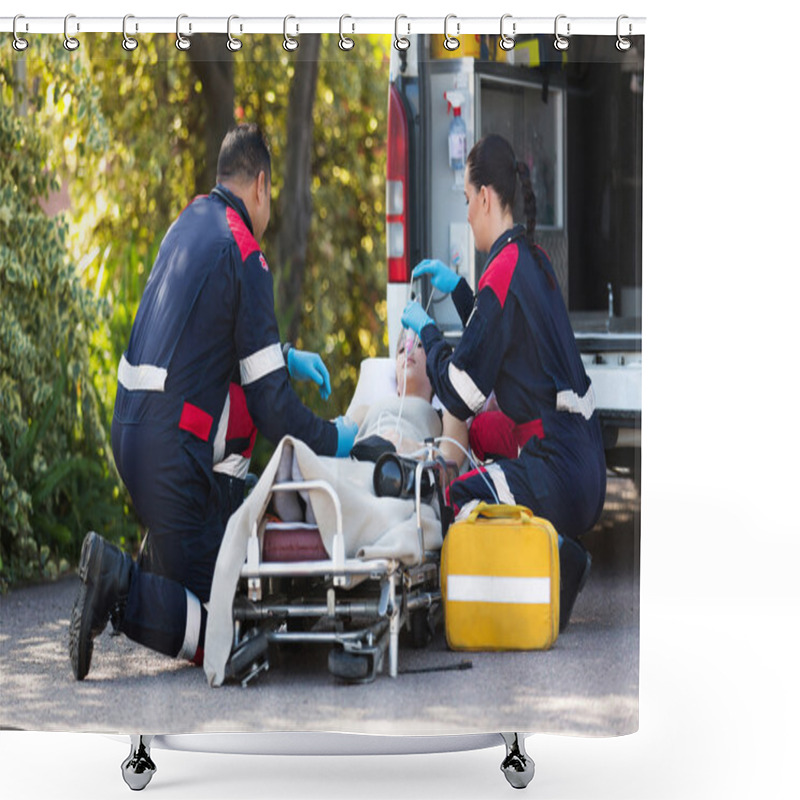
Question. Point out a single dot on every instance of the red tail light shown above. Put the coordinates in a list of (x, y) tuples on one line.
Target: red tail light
[(397, 190)]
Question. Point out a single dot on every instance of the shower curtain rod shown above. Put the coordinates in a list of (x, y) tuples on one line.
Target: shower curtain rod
[(452, 25)]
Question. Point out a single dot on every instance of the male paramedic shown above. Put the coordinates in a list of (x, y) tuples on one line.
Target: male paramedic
[(206, 323)]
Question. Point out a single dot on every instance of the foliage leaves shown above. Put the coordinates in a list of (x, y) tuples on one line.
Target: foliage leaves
[(56, 473), (121, 134)]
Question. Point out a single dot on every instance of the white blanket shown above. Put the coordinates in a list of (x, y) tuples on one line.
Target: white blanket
[(374, 527)]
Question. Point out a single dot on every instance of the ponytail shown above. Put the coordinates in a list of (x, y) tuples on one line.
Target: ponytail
[(492, 163), (529, 206)]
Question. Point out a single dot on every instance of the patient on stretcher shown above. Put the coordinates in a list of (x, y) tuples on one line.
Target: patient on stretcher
[(406, 418), (372, 527)]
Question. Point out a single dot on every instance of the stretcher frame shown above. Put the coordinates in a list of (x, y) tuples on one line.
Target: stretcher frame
[(404, 590)]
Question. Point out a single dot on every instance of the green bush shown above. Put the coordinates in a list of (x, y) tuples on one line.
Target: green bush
[(57, 477)]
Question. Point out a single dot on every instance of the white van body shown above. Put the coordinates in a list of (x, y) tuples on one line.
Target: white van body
[(575, 118)]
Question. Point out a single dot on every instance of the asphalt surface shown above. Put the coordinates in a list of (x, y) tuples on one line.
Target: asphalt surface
[(587, 684)]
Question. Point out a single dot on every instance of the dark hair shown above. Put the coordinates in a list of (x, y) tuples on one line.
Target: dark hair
[(492, 163), (243, 154)]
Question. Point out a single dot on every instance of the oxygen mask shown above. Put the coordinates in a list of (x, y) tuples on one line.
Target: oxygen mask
[(410, 341)]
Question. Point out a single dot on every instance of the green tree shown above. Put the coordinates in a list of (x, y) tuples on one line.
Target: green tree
[(57, 477), (126, 135)]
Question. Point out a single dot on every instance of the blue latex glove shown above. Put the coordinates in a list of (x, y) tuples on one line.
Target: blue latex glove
[(305, 366), (414, 317), (442, 277), (347, 430)]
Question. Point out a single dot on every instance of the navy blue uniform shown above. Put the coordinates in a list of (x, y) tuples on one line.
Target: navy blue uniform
[(518, 342), (206, 319)]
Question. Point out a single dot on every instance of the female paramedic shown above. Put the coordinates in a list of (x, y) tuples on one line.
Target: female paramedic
[(518, 342)]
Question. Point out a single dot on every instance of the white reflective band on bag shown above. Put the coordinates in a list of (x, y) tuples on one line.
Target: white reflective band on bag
[(492, 589), (142, 378), (569, 401), (261, 363), (465, 388)]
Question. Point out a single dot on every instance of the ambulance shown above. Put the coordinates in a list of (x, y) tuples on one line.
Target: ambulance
[(575, 117)]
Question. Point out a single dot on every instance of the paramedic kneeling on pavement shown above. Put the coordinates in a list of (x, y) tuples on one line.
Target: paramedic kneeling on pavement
[(206, 321), (518, 341)]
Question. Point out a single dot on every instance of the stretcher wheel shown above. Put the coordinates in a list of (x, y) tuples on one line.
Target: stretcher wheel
[(245, 654), (421, 629), (349, 666)]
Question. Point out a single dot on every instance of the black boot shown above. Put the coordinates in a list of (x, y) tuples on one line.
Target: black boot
[(105, 573), (576, 563)]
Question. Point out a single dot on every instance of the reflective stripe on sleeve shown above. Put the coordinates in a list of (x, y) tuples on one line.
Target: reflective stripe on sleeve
[(568, 400), (465, 388), (261, 363), (142, 378)]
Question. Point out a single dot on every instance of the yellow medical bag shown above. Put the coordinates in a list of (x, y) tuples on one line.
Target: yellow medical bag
[(500, 580)]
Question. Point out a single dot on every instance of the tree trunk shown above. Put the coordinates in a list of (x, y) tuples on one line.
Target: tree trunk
[(295, 199), (212, 65)]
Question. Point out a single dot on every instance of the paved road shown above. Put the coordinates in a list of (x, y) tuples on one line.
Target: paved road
[(587, 684)]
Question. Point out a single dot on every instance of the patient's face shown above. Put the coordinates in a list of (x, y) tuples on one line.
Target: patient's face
[(411, 364)]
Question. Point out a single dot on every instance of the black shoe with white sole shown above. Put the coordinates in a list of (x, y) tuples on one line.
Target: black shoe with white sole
[(105, 573)]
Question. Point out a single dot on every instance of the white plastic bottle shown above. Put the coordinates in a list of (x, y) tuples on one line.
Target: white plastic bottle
[(457, 141)]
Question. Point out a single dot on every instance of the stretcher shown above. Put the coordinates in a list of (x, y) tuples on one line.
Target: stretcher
[(356, 606)]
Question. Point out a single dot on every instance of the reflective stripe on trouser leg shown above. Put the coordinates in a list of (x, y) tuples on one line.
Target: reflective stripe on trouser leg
[(194, 616)]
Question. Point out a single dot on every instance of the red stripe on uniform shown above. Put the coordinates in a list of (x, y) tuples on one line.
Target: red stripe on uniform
[(196, 421), (241, 234), (528, 430), (499, 273), (463, 477), (240, 423)]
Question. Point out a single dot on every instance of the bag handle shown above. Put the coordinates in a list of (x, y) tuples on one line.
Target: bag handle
[(494, 511)]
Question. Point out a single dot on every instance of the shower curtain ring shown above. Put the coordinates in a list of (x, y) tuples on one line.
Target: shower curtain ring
[(128, 43), (70, 42), (623, 43), (18, 44), (401, 42), (290, 44), (561, 42), (233, 43), (181, 42), (507, 42), (450, 42), (345, 42)]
